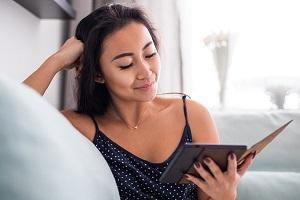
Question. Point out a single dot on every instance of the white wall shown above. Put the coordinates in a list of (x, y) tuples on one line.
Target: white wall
[(26, 41)]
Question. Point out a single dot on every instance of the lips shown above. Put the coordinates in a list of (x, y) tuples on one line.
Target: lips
[(145, 85)]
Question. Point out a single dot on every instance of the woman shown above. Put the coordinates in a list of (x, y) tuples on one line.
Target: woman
[(136, 131)]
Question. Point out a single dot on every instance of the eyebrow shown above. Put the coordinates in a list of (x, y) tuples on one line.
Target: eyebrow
[(129, 54)]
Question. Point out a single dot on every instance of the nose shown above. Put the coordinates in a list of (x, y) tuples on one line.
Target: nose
[(144, 71)]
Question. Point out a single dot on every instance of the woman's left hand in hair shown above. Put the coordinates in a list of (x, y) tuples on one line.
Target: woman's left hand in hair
[(220, 185)]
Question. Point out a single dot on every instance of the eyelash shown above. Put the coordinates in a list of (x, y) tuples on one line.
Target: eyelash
[(127, 66)]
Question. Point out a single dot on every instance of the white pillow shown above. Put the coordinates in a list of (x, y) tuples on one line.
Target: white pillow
[(269, 186), (42, 157)]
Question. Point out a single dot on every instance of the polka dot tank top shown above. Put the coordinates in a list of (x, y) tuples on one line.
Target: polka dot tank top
[(139, 179)]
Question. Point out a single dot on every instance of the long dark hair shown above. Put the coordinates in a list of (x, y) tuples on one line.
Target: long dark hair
[(93, 97)]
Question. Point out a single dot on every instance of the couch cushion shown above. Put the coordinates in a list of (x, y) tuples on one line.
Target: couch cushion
[(42, 156), (248, 127), (269, 186)]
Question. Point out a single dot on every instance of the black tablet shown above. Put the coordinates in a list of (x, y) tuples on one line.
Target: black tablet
[(189, 153)]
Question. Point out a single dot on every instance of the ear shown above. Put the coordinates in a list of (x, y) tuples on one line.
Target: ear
[(99, 79)]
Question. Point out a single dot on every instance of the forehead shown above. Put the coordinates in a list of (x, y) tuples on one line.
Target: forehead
[(130, 37)]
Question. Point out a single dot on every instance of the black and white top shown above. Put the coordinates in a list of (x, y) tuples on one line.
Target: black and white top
[(139, 179)]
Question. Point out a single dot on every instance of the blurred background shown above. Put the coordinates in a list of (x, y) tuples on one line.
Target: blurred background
[(228, 55)]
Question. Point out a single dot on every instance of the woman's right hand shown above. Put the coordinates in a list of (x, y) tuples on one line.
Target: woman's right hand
[(69, 54)]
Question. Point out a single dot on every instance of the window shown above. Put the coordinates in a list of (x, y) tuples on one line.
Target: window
[(263, 41)]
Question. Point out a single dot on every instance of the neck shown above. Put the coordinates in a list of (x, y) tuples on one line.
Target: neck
[(130, 113)]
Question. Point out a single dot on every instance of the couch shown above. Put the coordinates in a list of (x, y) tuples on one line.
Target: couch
[(275, 173), (43, 157)]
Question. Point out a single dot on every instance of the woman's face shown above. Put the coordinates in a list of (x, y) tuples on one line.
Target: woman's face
[(130, 63)]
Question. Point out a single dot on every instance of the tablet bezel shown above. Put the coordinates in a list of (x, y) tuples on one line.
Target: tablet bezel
[(188, 153)]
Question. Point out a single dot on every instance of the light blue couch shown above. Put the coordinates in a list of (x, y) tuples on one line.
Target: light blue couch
[(275, 173), (42, 157)]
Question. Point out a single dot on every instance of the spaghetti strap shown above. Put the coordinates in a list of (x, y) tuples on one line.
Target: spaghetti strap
[(184, 110), (95, 123)]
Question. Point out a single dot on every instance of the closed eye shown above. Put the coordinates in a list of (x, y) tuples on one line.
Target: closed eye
[(151, 55), (126, 66)]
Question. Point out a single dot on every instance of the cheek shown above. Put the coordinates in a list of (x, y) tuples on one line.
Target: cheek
[(114, 77), (117, 79)]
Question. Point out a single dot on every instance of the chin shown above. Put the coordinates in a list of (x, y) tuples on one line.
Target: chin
[(145, 96)]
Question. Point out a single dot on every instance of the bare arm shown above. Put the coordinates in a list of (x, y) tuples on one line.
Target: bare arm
[(42, 77), (64, 58), (218, 185)]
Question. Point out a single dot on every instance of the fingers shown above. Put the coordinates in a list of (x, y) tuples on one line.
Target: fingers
[(246, 164), (203, 172), (201, 184), (232, 164), (69, 41), (216, 181), (214, 168), (77, 64)]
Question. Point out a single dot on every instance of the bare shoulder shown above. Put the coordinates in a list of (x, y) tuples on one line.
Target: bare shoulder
[(81, 122), (177, 102), (169, 101), (201, 123), (69, 114)]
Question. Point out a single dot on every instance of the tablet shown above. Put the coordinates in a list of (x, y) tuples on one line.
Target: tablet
[(189, 153)]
